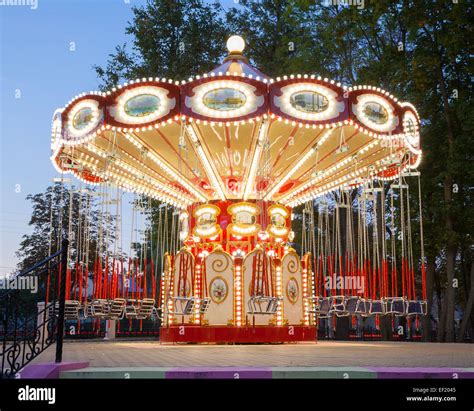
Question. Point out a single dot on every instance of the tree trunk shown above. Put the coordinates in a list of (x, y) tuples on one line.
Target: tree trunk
[(449, 223), (467, 309), (430, 269), (442, 316)]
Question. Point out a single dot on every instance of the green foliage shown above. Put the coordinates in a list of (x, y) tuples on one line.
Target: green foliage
[(171, 39), (51, 223)]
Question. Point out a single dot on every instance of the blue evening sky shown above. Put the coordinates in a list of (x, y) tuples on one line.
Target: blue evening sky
[(39, 73)]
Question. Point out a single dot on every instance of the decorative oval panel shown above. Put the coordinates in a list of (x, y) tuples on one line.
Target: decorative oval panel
[(206, 221), (375, 112), (308, 101), (224, 99), (82, 119), (411, 132), (142, 105)]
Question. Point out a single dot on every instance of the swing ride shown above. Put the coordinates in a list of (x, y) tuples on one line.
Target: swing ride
[(229, 154)]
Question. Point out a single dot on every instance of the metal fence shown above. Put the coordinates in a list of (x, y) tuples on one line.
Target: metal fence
[(31, 320)]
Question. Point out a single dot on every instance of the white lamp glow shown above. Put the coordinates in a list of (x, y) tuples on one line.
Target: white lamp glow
[(235, 44)]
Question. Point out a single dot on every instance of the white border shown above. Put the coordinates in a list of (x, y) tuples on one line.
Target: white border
[(358, 110), (412, 142), (252, 102), (117, 111), (333, 110), (96, 116)]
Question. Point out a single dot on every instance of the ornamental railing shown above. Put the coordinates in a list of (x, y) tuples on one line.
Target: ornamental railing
[(32, 313)]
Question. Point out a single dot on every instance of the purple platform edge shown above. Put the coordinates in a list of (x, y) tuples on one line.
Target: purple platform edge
[(50, 370), (421, 372), (221, 372)]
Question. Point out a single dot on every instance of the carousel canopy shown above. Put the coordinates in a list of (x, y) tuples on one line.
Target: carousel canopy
[(235, 133)]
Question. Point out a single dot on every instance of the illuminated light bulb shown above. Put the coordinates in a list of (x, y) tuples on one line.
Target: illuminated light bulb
[(235, 44)]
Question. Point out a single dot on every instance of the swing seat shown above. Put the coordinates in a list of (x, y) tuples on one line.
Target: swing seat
[(352, 305), (53, 309), (376, 307), (142, 311), (100, 308), (204, 305), (416, 307), (395, 305), (87, 310), (313, 304), (325, 307), (338, 306), (117, 309), (182, 305), (72, 309), (263, 305), (363, 308)]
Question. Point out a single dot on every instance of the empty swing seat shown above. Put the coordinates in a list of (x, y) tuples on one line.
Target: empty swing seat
[(100, 308), (338, 306), (182, 305), (363, 308), (143, 311), (204, 305), (395, 305), (71, 309), (325, 307), (53, 309), (376, 307), (352, 305), (416, 307), (117, 309), (263, 305)]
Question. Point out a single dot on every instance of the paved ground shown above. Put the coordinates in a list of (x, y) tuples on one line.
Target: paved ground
[(322, 354)]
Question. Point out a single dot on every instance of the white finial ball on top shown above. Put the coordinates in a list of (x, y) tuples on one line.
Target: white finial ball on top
[(235, 44)]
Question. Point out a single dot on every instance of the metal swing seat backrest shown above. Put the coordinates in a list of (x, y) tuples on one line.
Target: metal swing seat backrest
[(99, 308), (265, 305), (338, 306), (259, 303), (53, 309), (142, 311), (325, 305), (182, 305), (416, 307), (395, 305), (204, 304), (355, 305), (376, 307), (363, 308), (117, 309), (72, 309)]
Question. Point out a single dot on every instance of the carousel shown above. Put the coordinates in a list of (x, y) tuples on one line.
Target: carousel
[(291, 203)]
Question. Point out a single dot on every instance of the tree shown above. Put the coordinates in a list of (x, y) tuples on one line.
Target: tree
[(65, 213), (171, 38)]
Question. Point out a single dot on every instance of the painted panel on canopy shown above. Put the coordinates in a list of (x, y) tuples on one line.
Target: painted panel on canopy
[(165, 142), (134, 156), (328, 154), (327, 157), (287, 144), (230, 149), (194, 93)]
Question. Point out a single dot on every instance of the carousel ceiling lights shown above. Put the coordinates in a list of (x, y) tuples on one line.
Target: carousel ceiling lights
[(238, 122)]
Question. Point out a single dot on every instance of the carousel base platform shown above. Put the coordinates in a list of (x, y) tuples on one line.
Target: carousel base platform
[(243, 335)]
